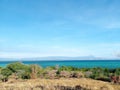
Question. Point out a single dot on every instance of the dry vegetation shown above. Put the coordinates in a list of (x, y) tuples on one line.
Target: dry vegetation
[(17, 76), (58, 84)]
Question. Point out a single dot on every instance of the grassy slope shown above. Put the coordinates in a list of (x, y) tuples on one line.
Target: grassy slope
[(49, 84)]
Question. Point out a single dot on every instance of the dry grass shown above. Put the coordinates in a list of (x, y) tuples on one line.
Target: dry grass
[(58, 84)]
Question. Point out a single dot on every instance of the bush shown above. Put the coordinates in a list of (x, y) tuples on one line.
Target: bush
[(68, 68), (0, 69), (104, 79), (25, 75), (117, 72), (34, 71), (88, 74), (51, 74), (6, 72), (14, 67), (77, 74), (65, 74)]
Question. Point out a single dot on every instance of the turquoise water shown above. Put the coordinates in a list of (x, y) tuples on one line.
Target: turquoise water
[(75, 63)]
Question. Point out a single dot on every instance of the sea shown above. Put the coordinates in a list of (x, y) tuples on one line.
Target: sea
[(74, 63)]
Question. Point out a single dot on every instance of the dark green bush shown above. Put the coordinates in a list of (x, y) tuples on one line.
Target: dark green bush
[(6, 72), (14, 67), (117, 72), (107, 79), (25, 75)]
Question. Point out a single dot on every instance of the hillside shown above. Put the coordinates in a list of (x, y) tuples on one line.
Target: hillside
[(58, 84)]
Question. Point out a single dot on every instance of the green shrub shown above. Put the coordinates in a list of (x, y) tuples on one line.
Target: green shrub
[(14, 67), (6, 72), (25, 75), (104, 79), (117, 72)]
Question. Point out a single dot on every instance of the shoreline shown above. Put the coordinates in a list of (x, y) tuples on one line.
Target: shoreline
[(17, 73), (73, 63)]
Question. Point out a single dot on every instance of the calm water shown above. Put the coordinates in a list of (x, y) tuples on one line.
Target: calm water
[(75, 63)]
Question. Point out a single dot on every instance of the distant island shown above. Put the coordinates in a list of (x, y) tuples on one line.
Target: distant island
[(61, 58)]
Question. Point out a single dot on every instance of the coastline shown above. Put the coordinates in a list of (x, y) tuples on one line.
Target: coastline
[(20, 76), (74, 63)]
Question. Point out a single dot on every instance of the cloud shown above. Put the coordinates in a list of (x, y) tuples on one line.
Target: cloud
[(18, 55), (52, 51), (98, 50)]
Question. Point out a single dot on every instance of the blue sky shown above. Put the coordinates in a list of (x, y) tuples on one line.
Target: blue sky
[(37, 28)]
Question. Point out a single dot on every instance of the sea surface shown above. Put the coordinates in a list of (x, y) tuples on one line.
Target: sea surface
[(74, 63)]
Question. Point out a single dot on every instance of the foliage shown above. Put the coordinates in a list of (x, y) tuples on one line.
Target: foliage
[(15, 67), (25, 75), (68, 68), (6, 72), (35, 71), (117, 72)]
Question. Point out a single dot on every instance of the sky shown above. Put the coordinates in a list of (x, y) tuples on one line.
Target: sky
[(40, 28)]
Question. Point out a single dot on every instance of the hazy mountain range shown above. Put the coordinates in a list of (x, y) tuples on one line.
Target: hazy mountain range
[(60, 58)]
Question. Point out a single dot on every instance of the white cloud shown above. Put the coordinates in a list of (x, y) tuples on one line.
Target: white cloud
[(99, 50), (54, 51)]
